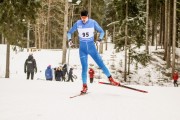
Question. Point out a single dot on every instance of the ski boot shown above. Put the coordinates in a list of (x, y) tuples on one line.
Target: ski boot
[(111, 80), (84, 90)]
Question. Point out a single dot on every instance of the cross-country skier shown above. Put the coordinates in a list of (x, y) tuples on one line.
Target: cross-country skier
[(86, 28)]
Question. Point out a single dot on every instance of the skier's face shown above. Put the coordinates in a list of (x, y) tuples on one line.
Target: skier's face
[(84, 19)]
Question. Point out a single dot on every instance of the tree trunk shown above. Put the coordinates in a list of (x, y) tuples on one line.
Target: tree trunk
[(155, 24), (106, 38), (126, 39), (101, 48), (153, 29), (168, 39), (28, 35), (161, 25), (147, 27), (48, 24), (39, 35), (7, 60), (89, 8), (65, 32), (166, 30), (35, 36), (174, 37)]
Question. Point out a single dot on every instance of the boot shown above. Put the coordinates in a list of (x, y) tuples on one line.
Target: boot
[(112, 81), (84, 90)]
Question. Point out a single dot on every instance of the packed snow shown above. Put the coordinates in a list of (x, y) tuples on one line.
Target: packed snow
[(38, 99)]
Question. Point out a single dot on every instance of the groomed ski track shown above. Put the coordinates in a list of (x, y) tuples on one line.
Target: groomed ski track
[(50, 100)]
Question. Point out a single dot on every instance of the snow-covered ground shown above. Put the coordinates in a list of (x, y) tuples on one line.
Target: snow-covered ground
[(38, 99)]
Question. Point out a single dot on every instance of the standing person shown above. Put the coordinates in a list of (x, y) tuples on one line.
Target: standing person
[(59, 74), (91, 75), (70, 75), (86, 28), (49, 73), (55, 73), (30, 67), (65, 71), (175, 78)]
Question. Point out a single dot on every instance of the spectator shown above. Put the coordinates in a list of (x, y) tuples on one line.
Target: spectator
[(91, 75), (48, 73), (30, 66), (59, 74), (65, 71), (175, 78), (55, 73), (70, 75)]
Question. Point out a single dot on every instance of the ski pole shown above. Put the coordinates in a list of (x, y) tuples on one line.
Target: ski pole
[(69, 47)]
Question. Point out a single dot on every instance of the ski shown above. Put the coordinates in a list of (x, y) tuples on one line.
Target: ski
[(81, 94), (131, 88)]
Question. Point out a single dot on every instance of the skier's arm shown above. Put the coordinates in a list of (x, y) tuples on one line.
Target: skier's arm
[(71, 31), (99, 29)]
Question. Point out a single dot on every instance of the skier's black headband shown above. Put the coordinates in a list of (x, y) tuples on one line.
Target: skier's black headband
[(84, 13)]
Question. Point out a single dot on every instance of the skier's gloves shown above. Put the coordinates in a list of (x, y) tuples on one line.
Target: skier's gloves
[(24, 71), (98, 42), (70, 43)]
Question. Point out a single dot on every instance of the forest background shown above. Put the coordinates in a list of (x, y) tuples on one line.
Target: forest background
[(43, 24)]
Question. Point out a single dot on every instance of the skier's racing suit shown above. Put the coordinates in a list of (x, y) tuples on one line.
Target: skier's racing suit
[(87, 45)]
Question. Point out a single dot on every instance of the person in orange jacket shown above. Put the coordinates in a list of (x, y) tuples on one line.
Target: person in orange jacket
[(91, 75), (175, 78)]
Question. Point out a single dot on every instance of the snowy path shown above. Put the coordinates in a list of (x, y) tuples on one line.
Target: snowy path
[(49, 100)]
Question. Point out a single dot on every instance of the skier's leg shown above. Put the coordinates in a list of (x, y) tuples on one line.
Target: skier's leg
[(97, 58), (84, 63)]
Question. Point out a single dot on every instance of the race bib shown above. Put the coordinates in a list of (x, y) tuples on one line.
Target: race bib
[(86, 32)]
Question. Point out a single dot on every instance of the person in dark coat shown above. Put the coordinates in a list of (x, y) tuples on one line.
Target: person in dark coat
[(70, 75), (91, 75), (49, 73), (65, 71), (59, 74), (55, 73), (30, 67), (175, 78)]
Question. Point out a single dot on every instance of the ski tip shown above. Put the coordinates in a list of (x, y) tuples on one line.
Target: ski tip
[(143, 91)]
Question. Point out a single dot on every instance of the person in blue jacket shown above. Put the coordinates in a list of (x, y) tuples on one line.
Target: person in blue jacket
[(48, 73), (86, 28)]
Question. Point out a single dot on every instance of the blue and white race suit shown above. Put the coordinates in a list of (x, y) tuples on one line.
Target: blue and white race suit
[(87, 46)]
